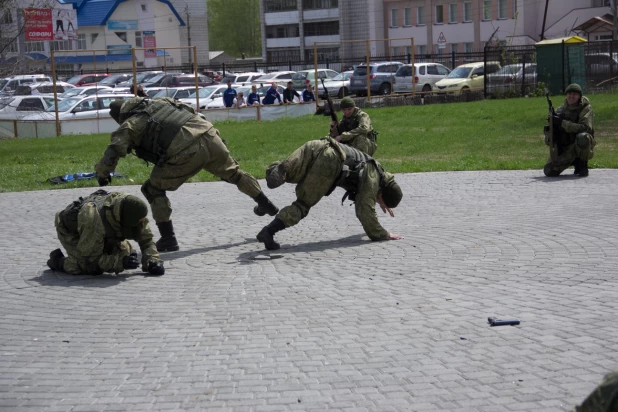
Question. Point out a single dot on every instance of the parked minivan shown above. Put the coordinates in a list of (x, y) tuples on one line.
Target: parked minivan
[(425, 77), (380, 78), (9, 85)]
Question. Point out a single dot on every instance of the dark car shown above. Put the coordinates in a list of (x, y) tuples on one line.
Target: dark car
[(114, 79), (380, 78), (187, 80), (157, 81), (141, 77)]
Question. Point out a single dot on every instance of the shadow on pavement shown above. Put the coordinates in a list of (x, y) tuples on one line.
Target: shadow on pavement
[(196, 251), (56, 278), (557, 178)]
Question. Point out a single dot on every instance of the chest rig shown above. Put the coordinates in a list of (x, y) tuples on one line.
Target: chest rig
[(351, 171)]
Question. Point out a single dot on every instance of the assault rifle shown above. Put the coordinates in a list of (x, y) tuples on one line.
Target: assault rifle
[(553, 148), (333, 114)]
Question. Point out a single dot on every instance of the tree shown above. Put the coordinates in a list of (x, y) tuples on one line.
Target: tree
[(234, 27)]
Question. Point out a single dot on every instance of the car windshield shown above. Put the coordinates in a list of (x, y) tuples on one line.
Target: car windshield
[(342, 76), (5, 102), (459, 73), (71, 92), (74, 79), (156, 78), (65, 105), (205, 92), (165, 93)]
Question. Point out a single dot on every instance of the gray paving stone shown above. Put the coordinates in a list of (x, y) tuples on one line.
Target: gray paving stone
[(337, 322)]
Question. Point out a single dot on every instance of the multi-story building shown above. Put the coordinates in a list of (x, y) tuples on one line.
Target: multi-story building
[(195, 31), (291, 28), (442, 26)]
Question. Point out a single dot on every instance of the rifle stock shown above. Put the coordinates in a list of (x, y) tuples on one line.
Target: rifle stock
[(553, 149), (333, 113)]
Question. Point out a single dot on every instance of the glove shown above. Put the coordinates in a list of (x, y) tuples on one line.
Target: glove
[(156, 268), (130, 262), (556, 120), (104, 181)]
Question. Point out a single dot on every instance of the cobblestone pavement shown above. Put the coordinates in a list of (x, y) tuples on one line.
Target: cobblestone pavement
[(331, 321)]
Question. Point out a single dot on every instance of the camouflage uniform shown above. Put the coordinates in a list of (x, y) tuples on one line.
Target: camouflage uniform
[(604, 398), (576, 137), (315, 168), (99, 245), (357, 132)]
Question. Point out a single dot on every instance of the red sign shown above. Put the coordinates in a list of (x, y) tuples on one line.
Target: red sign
[(150, 44), (38, 24)]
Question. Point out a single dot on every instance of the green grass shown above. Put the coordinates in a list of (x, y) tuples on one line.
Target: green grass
[(485, 135)]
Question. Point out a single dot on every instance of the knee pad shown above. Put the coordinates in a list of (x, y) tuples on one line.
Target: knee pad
[(550, 172), (150, 192), (235, 178), (582, 140)]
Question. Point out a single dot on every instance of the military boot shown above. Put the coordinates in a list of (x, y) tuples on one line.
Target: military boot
[(264, 205), (267, 234), (56, 260), (583, 169), (577, 164), (168, 242), (275, 175)]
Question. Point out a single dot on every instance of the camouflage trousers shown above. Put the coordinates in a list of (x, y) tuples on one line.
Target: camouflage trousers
[(76, 263), (582, 148), (604, 398), (209, 153), (314, 167)]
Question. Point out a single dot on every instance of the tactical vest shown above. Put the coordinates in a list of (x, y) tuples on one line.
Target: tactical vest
[(69, 216), (351, 171), (164, 120)]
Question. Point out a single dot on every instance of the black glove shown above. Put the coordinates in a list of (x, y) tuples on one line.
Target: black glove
[(130, 262), (156, 268), (104, 181), (556, 120)]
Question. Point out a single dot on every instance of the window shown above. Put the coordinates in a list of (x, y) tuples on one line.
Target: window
[(487, 10), (395, 51), (122, 35), (279, 5), (502, 9), (420, 16), (407, 16), (454, 48), (12, 44), (467, 12), (452, 13), (320, 4), (443, 71), (30, 105), (81, 42), (7, 18), (468, 47), (144, 8), (93, 37), (439, 14), (408, 50), (61, 45), (35, 46), (422, 49), (432, 69), (394, 18), (321, 29), (138, 39)]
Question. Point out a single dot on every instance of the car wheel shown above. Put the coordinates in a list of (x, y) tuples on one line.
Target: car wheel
[(343, 92), (465, 90), (427, 89), (385, 88)]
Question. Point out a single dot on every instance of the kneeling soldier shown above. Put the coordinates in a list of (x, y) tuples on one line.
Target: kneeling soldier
[(180, 144), (318, 167), (94, 232)]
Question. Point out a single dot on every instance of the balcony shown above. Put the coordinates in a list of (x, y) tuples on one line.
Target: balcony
[(309, 40), (321, 14), (281, 17), (283, 42)]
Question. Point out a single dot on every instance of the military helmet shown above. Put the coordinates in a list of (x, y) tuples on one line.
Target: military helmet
[(347, 102), (114, 109), (132, 210), (574, 88), (391, 192)]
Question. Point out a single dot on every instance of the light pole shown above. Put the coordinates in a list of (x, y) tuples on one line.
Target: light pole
[(188, 32)]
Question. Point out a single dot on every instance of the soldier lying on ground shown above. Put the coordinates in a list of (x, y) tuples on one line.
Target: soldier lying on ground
[(604, 398), (574, 134), (180, 144), (355, 128), (94, 232), (318, 167)]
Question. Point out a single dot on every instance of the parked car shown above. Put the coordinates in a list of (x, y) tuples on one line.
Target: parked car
[(213, 74), (206, 95), (337, 86), (8, 85), (279, 77), (141, 77), (302, 78), (114, 79), (241, 78), (175, 93), (87, 79), (601, 66), (380, 78), (425, 77), (17, 107), (467, 77), (86, 91), (187, 80), (158, 80), (510, 77), (78, 107), (43, 88), (151, 91)]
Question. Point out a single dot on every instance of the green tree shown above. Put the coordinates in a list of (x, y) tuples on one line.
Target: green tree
[(234, 27)]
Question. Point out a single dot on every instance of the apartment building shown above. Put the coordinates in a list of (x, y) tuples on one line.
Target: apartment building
[(444, 26), (195, 31), (291, 28)]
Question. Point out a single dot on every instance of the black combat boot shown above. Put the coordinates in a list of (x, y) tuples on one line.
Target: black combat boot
[(56, 260), (577, 164), (168, 242), (267, 234), (264, 205), (583, 169)]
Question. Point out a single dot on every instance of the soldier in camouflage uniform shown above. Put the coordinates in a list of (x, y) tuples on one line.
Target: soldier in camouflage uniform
[(574, 134), (604, 398), (180, 144), (94, 232), (318, 167), (355, 128)]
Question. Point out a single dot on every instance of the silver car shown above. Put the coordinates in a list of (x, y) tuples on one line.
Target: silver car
[(510, 77), (425, 77), (338, 86)]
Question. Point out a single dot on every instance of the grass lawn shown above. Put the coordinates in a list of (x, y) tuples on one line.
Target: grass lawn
[(485, 135)]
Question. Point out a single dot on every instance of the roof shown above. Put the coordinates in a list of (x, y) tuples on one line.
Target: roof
[(596, 24), (567, 40), (98, 12)]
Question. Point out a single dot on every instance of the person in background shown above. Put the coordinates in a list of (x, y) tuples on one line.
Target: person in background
[(289, 93), (140, 91), (240, 101), (229, 95), (254, 98), (308, 95), (271, 95)]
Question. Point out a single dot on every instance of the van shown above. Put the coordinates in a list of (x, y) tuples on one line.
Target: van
[(8, 85)]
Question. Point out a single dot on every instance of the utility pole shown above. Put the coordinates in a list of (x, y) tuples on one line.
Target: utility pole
[(544, 20), (615, 11), (189, 35)]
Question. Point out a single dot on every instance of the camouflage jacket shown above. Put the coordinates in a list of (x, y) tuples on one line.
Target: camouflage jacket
[(93, 237), (355, 129), (131, 132), (576, 119)]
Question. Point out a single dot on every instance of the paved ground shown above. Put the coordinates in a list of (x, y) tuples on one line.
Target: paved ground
[(331, 321)]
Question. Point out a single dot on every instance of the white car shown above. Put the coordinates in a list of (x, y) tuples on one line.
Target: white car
[(85, 91), (175, 93), (17, 107), (241, 78), (280, 77), (43, 89), (206, 95), (80, 107), (425, 76), (338, 86)]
